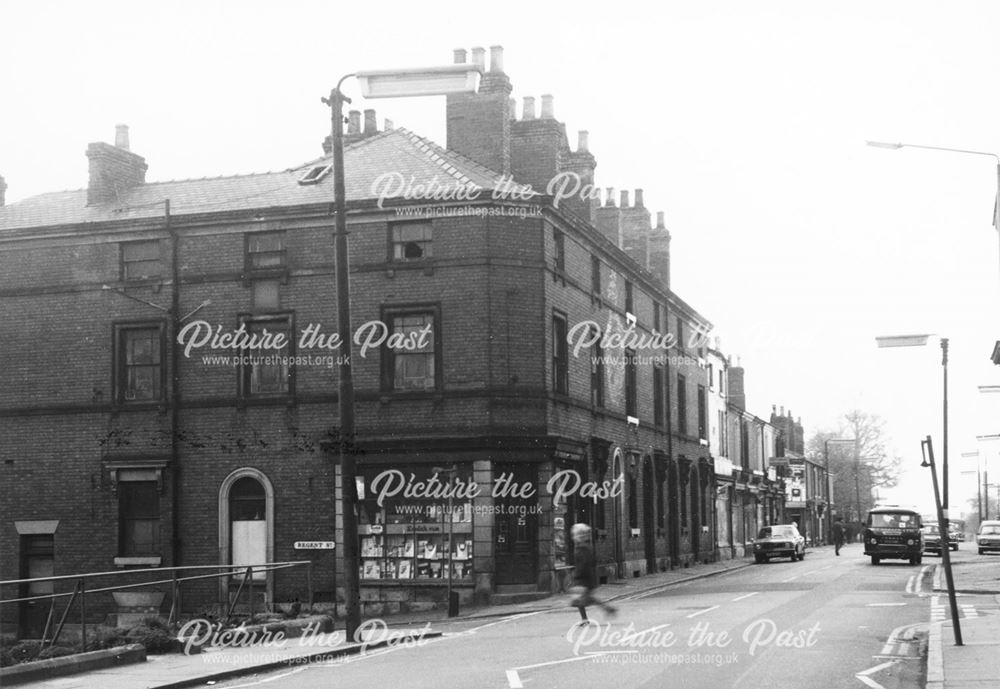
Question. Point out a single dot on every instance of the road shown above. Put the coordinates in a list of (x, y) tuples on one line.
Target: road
[(826, 622)]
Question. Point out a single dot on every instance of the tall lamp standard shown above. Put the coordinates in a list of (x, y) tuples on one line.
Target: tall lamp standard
[(829, 483), (920, 341), (996, 206), (927, 448), (398, 83)]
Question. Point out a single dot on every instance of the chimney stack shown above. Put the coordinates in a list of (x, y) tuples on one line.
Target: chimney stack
[(624, 198), (659, 251), (388, 125), (478, 124), (3, 191), (548, 109), (113, 169), (737, 396), (459, 56), (121, 136), (353, 122), (583, 141), (528, 112), (371, 126), (496, 59), (608, 218), (638, 198)]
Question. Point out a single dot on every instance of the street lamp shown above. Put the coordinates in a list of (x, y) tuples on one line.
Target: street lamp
[(399, 83), (996, 205), (829, 483), (920, 341), (927, 448)]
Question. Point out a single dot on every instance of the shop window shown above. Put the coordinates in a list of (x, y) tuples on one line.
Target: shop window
[(140, 260), (411, 363), (138, 518), (139, 362), (411, 241), (266, 370), (408, 538), (560, 355)]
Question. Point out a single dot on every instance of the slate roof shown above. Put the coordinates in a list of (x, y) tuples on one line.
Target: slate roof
[(396, 150)]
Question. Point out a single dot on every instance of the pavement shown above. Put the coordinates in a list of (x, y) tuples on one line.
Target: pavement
[(976, 663), (176, 670)]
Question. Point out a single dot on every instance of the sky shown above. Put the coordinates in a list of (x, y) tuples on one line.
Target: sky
[(745, 123)]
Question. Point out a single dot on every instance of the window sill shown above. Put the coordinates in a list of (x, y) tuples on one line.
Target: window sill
[(148, 561)]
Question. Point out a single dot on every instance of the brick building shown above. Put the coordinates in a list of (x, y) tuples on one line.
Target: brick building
[(170, 387)]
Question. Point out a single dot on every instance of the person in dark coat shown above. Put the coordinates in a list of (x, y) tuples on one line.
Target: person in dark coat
[(585, 573), (837, 531)]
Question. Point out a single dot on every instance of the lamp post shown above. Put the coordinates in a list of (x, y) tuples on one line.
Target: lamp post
[(400, 83), (996, 205), (829, 483), (920, 341), (927, 448)]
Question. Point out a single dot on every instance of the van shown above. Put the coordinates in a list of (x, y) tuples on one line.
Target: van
[(988, 536), (894, 533)]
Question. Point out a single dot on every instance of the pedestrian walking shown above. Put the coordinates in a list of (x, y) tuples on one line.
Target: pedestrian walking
[(838, 535), (585, 574)]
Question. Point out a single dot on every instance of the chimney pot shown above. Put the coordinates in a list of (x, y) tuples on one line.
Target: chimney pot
[(496, 59), (659, 220), (582, 141), (548, 110), (459, 56), (638, 198), (609, 199), (354, 122), (624, 201), (782, 410), (528, 113), (121, 136), (371, 126), (479, 57)]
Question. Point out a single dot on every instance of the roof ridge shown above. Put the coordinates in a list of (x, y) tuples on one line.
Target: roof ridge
[(447, 159)]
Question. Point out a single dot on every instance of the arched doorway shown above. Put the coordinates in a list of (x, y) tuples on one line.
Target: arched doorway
[(246, 528)]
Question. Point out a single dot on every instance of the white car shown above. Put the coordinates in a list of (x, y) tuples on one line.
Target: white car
[(988, 537)]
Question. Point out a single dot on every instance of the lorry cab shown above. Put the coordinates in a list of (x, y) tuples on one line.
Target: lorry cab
[(894, 533)]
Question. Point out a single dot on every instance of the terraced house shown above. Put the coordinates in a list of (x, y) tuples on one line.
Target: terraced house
[(169, 390)]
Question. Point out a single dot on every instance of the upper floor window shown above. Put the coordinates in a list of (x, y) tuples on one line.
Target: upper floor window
[(682, 421), (559, 241), (560, 355), (631, 393), (140, 260), (681, 344), (139, 363), (265, 250), (629, 297), (267, 370), (410, 241), (658, 390), (656, 317), (596, 370), (595, 275), (410, 351), (702, 414)]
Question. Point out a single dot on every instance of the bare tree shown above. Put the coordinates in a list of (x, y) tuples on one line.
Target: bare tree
[(859, 462)]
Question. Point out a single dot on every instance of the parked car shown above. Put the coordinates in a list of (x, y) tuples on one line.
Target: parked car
[(894, 533), (932, 538), (779, 540), (988, 536)]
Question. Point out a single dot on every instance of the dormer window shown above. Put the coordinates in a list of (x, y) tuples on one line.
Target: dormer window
[(315, 174)]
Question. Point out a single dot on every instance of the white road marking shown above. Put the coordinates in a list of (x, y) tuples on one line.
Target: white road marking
[(884, 605), (863, 675), (701, 612), (514, 679), (745, 595)]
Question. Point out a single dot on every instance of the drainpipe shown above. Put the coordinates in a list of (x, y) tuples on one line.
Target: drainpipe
[(672, 545), (175, 390)]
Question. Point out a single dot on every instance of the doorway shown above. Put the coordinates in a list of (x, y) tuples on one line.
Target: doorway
[(37, 560), (516, 536)]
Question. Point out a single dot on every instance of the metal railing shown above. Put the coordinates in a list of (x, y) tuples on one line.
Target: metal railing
[(80, 590)]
